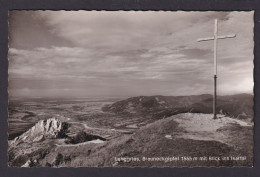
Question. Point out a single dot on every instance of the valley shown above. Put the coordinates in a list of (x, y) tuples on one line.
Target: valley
[(98, 131)]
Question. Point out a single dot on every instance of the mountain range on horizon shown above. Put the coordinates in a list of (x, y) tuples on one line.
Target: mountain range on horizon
[(237, 106), (116, 97)]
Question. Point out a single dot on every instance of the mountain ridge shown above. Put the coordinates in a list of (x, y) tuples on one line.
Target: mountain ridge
[(158, 106)]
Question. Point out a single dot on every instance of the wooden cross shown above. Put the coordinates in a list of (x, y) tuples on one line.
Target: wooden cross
[(215, 38)]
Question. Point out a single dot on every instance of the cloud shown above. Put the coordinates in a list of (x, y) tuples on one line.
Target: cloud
[(91, 53)]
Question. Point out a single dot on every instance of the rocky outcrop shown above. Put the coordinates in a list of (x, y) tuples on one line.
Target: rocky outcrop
[(50, 128), (26, 149)]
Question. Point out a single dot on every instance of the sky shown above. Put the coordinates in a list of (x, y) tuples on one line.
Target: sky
[(127, 53)]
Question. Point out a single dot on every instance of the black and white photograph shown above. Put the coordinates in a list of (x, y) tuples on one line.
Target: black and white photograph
[(130, 88)]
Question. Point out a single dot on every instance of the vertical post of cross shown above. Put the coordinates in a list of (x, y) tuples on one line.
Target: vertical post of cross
[(215, 69), (215, 38)]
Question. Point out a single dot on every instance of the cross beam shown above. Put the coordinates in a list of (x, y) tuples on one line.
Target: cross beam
[(215, 38), (219, 37)]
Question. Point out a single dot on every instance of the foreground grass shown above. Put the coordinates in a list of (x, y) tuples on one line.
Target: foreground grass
[(150, 141)]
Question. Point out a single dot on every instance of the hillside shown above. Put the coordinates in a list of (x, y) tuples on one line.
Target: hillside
[(238, 106), (183, 135), (153, 127)]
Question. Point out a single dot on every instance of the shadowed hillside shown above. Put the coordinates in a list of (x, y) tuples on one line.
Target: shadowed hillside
[(238, 106)]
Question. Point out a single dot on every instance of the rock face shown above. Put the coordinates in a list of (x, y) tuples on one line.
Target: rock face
[(26, 149), (51, 128)]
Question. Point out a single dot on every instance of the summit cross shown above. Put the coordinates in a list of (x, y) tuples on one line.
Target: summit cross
[(215, 38)]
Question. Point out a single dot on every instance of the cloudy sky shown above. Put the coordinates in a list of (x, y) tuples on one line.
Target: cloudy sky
[(121, 54)]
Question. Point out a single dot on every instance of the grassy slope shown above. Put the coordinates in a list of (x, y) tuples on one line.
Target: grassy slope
[(150, 141)]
